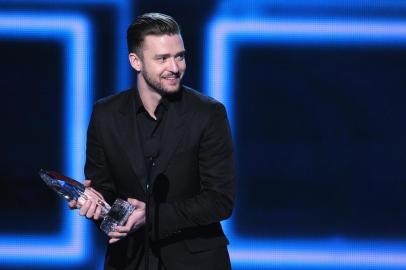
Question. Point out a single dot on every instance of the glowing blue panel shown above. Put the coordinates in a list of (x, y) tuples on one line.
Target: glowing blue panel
[(224, 35), (74, 32), (262, 6), (124, 12)]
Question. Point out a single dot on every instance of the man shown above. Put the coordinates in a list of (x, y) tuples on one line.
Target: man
[(188, 137)]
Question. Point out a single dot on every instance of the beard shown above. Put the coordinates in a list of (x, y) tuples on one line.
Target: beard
[(157, 86)]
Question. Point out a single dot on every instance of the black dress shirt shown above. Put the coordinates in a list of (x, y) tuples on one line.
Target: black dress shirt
[(150, 129)]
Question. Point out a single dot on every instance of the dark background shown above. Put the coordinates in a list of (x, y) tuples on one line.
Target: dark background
[(319, 134)]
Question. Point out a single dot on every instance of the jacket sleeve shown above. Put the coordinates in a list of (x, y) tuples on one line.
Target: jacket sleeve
[(214, 202), (96, 167)]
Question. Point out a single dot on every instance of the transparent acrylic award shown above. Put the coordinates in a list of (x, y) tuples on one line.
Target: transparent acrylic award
[(69, 189)]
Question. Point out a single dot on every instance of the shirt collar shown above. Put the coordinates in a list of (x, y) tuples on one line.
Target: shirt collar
[(139, 106)]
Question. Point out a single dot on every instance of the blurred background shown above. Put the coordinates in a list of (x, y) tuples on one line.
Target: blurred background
[(315, 94)]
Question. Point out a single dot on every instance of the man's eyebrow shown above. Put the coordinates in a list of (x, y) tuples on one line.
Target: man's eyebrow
[(162, 55), (168, 54), (181, 53)]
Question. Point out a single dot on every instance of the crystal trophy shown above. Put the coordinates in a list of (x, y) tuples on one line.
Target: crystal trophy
[(69, 189)]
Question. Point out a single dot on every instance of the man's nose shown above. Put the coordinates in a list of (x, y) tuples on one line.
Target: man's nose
[(173, 65)]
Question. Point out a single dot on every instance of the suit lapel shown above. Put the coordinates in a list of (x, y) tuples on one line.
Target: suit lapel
[(129, 137), (172, 134)]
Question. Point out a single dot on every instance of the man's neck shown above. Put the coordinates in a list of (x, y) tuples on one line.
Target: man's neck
[(150, 99)]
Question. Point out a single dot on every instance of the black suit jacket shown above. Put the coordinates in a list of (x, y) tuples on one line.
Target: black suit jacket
[(192, 182)]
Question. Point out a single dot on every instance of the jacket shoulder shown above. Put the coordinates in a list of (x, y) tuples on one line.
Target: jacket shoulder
[(199, 100), (115, 100)]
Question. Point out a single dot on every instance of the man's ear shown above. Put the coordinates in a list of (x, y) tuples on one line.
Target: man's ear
[(135, 61)]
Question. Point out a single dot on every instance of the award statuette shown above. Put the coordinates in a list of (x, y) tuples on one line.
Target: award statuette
[(69, 189)]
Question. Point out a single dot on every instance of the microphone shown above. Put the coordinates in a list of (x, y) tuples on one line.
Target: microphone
[(151, 151)]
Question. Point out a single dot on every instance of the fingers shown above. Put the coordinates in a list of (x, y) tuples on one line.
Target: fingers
[(89, 203), (133, 201), (97, 214), (134, 222), (123, 229), (136, 203), (87, 184), (91, 211), (85, 207), (72, 204), (93, 193), (113, 240), (117, 234), (97, 193), (120, 233)]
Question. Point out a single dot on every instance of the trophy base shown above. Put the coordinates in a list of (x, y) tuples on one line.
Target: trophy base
[(117, 216)]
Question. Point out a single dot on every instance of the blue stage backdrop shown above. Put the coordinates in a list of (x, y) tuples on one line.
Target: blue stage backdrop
[(314, 91)]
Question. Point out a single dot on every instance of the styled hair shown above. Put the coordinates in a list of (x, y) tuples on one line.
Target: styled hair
[(149, 24)]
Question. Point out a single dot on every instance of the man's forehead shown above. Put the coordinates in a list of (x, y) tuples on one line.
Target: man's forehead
[(163, 42)]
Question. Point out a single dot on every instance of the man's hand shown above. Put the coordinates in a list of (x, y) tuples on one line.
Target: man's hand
[(134, 222), (89, 208)]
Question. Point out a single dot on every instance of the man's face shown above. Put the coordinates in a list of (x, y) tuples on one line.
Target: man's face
[(162, 63)]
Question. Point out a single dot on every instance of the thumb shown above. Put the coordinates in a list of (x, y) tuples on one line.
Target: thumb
[(87, 183), (134, 202)]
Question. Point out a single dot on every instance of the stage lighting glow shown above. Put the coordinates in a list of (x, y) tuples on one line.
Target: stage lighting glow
[(74, 32), (124, 10), (223, 36)]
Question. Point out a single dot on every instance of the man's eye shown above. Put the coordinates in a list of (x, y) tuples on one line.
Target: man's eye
[(180, 57), (161, 59)]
